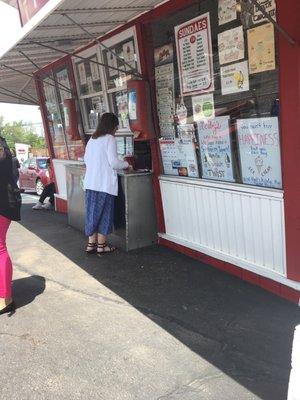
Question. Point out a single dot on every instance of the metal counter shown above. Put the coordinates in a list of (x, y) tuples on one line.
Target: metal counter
[(135, 217)]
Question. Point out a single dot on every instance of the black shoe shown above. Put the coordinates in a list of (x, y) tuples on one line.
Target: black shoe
[(11, 308)]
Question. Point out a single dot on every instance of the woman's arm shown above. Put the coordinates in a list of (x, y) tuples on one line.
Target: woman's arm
[(112, 154)]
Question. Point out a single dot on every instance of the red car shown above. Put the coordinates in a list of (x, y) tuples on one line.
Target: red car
[(34, 175)]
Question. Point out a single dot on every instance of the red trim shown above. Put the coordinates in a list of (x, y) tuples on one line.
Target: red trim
[(288, 17), (265, 283), (61, 205)]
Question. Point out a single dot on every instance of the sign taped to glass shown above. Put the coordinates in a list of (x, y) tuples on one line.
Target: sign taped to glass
[(194, 52)]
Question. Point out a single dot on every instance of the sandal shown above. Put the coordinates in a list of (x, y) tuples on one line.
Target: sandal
[(104, 248), (91, 248)]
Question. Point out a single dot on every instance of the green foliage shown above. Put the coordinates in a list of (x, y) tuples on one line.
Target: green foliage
[(16, 132)]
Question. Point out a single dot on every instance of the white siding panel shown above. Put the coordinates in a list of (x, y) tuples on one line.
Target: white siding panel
[(244, 228)]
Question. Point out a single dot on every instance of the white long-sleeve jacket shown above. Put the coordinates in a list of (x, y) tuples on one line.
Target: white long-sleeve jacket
[(102, 163)]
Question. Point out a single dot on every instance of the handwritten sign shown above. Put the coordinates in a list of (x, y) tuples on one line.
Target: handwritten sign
[(194, 52), (259, 146), (179, 157), (226, 11), (261, 48), (215, 149), (231, 45), (235, 78), (269, 6)]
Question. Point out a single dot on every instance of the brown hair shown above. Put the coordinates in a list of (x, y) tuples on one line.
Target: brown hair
[(108, 122)]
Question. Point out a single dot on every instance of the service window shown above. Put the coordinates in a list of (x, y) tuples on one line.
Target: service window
[(217, 93)]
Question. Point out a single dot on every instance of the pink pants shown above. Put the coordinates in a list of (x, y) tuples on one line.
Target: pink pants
[(5, 261)]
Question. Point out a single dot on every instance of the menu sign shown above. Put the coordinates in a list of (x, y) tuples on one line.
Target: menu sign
[(259, 146), (231, 45), (261, 48), (179, 157), (194, 52), (215, 149), (28, 8), (164, 80)]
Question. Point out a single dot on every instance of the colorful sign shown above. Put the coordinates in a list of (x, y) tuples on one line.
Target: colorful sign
[(164, 54), (231, 45), (259, 146), (261, 48), (179, 157), (194, 52), (226, 11), (203, 107), (28, 8), (270, 8), (215, 149), (235, 78)]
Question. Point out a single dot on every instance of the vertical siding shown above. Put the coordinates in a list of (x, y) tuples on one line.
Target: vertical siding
[(245, 226)]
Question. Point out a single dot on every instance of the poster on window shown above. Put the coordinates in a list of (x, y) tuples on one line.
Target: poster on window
[(259, 146), (215, 149), (231, 45), (122, 106), (164, 54), (261, 49), (112, 62), (235, 78), (63, 81), (179, 157), (203, 107), (165, 98), (269, 7), (194, 53), (94, 70), (128, 54), (226, 11), (186, 132), (81, 73)]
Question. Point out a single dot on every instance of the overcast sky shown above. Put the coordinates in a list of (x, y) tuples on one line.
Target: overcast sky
[(15, 112)]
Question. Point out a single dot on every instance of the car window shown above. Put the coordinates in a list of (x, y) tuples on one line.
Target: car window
[(32, 162), (42, 163)]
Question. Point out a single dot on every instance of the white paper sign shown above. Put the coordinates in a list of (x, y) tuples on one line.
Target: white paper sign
[(203, 107), (179, 157), (128, 54), (215, 149), (94, 70), (235, 78), (194, 52), (269, 6), (259, 146), (226, 11), (112, 62), (231, 45), (164, 82), (81, 73)]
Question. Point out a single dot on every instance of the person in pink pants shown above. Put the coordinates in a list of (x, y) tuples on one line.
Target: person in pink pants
[(10, 202)]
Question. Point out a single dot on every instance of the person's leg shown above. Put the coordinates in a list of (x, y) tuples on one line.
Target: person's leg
[(5, 266), (91, 219), (47, 191), (106, 224), (50, 192)]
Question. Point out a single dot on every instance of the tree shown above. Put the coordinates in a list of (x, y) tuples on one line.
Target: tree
[(16, 132)]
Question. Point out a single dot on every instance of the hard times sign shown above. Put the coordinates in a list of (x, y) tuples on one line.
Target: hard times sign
[(194, 52)]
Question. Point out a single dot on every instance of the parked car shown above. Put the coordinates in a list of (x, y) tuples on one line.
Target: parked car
[(34, 175)]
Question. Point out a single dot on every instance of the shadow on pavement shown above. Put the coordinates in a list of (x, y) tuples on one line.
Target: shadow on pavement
[(244, 331), (27, 289)]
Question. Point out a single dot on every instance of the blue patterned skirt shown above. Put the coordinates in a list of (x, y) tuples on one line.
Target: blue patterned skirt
[(99, 212)]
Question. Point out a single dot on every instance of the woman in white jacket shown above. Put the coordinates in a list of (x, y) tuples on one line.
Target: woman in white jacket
[(101, 183)]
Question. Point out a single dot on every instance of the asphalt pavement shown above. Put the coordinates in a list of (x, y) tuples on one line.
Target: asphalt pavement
[(152, 324)]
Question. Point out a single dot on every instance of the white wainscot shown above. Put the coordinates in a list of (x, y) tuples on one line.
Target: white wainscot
[(238, 224)]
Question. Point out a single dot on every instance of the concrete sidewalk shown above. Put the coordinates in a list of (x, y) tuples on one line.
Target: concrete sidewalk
[(148, 325)]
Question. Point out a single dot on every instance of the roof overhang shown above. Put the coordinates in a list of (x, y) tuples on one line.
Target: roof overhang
[(22, 56)]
